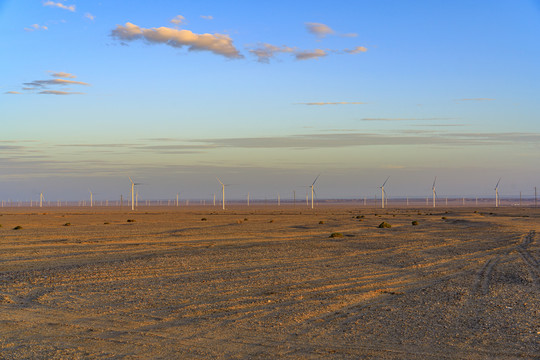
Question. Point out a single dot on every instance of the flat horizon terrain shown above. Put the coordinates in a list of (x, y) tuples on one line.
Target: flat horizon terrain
[(269, 282)]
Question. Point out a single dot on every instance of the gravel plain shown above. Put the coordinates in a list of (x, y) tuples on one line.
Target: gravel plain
[(269, 282)]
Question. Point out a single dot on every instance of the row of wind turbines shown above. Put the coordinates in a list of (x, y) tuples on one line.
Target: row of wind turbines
[(434, 193), (311, 190)]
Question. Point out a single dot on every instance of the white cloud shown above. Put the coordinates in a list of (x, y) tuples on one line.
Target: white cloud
[(322, 30), (63, 75), (35, 27), (217, 43), (264, 52), (60, 5), (319, 30), (178, 19), (89, 16), (207, 17), (56, 92), (356, 50), (307, 54), (12, 92), (43, 83)]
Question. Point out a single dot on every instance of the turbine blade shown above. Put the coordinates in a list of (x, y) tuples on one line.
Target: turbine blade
[(219, 181), (433, 186), (131, 180), (496, 186), (315, 180), (384, 183)]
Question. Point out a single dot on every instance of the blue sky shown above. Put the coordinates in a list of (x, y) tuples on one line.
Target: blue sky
[(267, 95)]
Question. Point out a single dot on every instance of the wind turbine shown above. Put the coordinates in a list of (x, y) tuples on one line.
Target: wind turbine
[(433, 190), (41, 198), (133, 193), (91, 197), (497, 193), (382, 191), (222, 193), (313, 190)]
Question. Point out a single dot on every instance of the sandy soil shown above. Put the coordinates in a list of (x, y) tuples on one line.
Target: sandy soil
[(265, 282)]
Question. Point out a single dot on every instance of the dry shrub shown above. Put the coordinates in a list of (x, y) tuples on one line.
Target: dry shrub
[(336, 235)]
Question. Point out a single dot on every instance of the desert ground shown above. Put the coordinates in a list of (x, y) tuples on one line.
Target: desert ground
[(269, 282)]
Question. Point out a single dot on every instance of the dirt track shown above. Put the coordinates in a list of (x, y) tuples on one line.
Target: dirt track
[(270, 283)]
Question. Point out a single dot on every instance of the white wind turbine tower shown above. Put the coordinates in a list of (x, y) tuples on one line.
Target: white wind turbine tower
[(222, 193), (133, 193), (91, 197), (41, 198), (313, 190), (382, 192), (497, 193), (433, 190)]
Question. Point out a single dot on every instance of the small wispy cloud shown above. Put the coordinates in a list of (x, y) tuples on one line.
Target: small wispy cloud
[(178, 19), (63, 75), (57, 92), (310, 54), (12, 92), (333, 103), (356, 50), (36, 27), (322, 30), (207, 17), (319, 30), (61, 79), (476, 99), (42, 83), (60, 5), (264, 52), (89, 16), (219, 44)]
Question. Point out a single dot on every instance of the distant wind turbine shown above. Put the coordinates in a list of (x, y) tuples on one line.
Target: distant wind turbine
[(91, 198), (433, 190), (497, 193), (41, 198), (382, 191), (222, 192), (133, 193), (312, 186)]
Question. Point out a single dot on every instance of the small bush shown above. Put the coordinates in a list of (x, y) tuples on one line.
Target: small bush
[(204, 219), (130, 220), (321, 222), (18, 227), (336, 235), (271, 221), (444, 218), (239, 221), (384, 224), (106, 223), (67, 224), (414, 223), (245, 219)]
